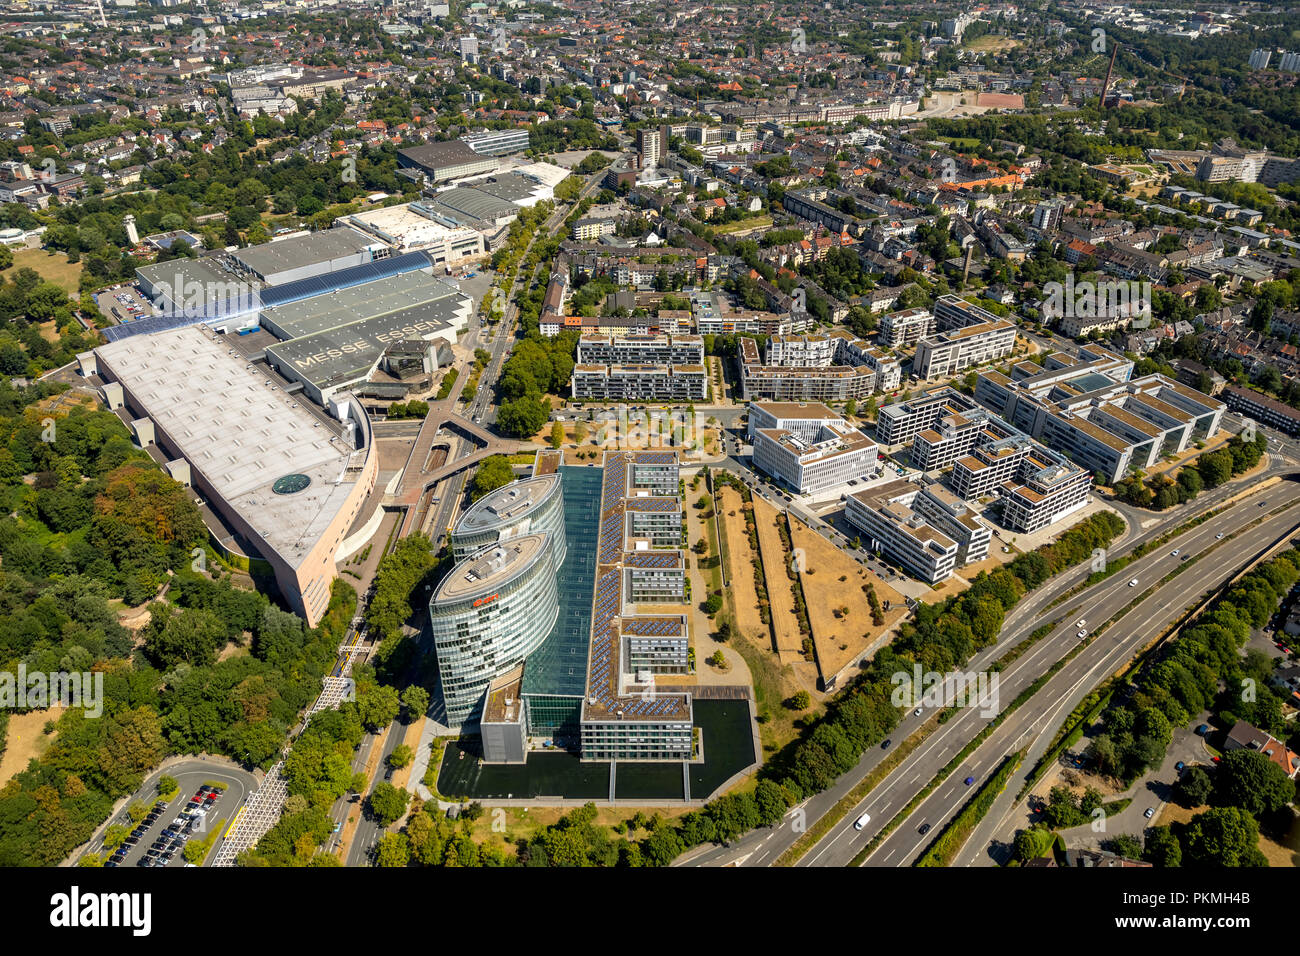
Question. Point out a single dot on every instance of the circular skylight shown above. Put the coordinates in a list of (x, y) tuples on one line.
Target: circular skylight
[(290, 484)]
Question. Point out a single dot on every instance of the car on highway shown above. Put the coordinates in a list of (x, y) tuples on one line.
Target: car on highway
[(1173, 553), (1081, 635), (1133, 583), (885, 744), (917, 712), (862, 821), (1080, 622), (923, 829), (1186, 557), (1150, 812), (1218, 536), (969, 781)]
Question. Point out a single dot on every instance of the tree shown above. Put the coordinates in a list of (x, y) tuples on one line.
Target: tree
[(557, 435), (1222, 837), (1249, 780), (492, 474), (394, 850), (387, 803), (378, 706), (717, 659), (800, 700), (415, 703), (1162, 847), (167, 785), (523, 417), (1193, 789), (400, 757)]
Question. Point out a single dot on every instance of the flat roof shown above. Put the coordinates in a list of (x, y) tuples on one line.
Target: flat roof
[(808, 410), (508, 503), (274, 257), (338, 354), (357, 303), (492, 567), (239, 433)]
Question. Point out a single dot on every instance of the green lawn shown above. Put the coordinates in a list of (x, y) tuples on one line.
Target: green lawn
[(53, 267)]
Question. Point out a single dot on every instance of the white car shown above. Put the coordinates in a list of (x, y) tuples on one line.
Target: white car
[(1080, 622), (1173, 553), (862, 821), (1081, 635), (1133, 583)]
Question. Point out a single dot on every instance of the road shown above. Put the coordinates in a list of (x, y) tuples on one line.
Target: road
[(1034, 724), (482, 409), (764, 846)]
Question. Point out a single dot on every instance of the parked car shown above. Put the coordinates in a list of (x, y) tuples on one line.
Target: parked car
[(1150, 812), (886, 743), (1180, 766)]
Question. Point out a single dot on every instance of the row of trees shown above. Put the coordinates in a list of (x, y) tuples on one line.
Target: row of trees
[(1209, 470), (1202, 669)]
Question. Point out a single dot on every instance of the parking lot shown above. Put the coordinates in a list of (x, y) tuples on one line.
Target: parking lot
[(122, 304), (205, 801)]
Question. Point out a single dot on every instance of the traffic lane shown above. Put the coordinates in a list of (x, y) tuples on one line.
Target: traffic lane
[(1063, 691), (189, 776), (947, 740)]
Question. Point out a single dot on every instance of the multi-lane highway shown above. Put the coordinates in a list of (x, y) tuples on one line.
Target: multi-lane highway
[(1033, 725)]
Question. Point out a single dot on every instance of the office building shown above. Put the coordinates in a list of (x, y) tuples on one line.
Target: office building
[(492, 610), (497, 142), (808, 448), (527, 506), (624, 715)]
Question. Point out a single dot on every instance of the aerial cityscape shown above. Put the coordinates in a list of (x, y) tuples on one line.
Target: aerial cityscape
[(566, 433)]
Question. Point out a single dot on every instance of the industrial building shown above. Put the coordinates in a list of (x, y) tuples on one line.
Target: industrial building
[(302, 257), (336, 341), (443, 161), (285, 483), (416, 225)]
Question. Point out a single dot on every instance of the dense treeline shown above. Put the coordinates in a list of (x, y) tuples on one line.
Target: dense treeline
[(1208, 471), (91, 523)]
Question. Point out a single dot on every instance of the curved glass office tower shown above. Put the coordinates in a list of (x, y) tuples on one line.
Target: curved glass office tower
[(527, 506), (490, 612)]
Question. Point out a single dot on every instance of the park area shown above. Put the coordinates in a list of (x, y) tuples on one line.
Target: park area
[(53, 267)]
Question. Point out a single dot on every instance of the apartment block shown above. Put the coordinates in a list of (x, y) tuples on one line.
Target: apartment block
[(898, 329)]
